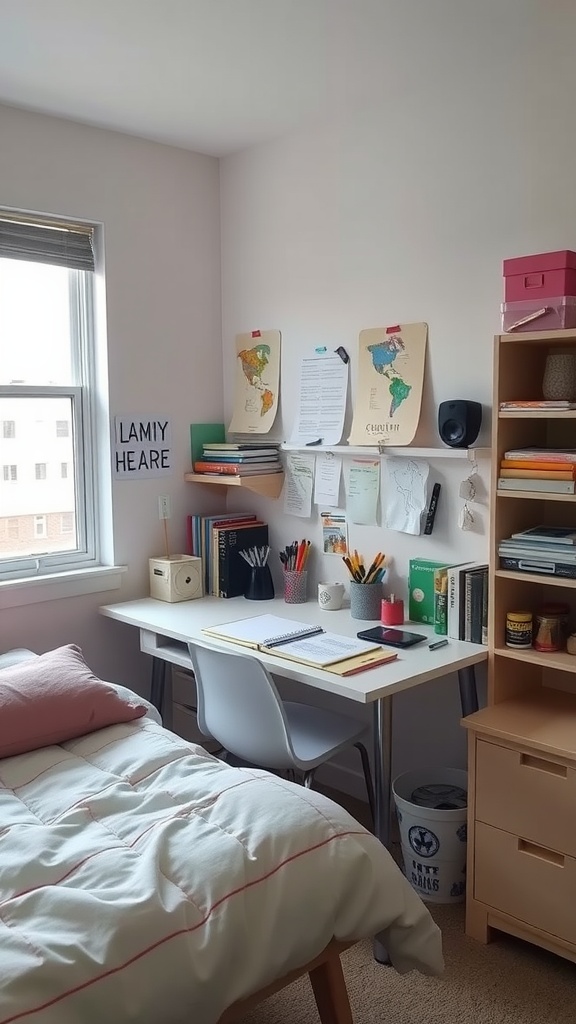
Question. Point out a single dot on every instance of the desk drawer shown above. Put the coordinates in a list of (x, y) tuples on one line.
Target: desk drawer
[(183, 688), (529, 795), (527, 881)]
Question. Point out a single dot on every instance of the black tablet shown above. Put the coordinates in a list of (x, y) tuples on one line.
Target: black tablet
[(391, 637)]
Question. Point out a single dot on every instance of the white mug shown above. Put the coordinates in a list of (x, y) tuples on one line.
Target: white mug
[(330, 596)]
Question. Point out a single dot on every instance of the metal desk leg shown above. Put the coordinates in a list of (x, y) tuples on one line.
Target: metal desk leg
[(157, 683), (382, 730), (468, 690)]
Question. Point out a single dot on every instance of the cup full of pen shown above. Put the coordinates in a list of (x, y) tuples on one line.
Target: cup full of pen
[(365, 584), (260, 585), (294, 558)]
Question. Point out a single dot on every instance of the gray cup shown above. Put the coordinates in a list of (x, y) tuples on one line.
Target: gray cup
[(365, 600)]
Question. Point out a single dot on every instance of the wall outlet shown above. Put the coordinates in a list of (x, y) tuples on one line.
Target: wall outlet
[(163, 506)]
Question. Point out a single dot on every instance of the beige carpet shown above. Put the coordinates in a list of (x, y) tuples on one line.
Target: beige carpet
[(506, 982)]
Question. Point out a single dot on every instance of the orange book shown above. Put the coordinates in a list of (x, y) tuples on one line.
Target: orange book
[(555, 467), (537, 474)]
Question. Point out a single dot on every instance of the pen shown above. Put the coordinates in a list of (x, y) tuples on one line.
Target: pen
[(437, 644)]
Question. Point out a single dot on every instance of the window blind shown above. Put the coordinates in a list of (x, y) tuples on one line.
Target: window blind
[(64, 245)]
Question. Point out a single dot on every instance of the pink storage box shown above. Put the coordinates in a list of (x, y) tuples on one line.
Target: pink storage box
[(542, 276), (539, 314)]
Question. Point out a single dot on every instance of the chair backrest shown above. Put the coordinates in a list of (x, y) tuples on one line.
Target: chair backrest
[(239, 705)]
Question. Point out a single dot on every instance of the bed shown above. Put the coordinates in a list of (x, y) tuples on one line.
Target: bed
[(142, 879)]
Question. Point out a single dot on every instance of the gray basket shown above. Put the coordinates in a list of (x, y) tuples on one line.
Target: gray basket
[(365, 600)]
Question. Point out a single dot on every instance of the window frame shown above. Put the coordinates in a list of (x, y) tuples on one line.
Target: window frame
[(86, 555)]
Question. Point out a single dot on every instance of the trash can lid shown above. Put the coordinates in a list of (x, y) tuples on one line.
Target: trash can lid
[(440, 797)]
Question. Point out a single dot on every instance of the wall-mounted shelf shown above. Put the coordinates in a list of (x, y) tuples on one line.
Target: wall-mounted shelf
[(268, 484), (472, 454)]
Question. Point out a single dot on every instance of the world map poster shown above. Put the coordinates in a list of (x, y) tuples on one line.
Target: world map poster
[(389, 385), (256, 383)]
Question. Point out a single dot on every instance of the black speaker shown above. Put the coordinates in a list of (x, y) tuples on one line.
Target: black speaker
[(459, 422)]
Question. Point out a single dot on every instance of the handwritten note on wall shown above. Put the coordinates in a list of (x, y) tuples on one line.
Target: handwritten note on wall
[(143, 446)]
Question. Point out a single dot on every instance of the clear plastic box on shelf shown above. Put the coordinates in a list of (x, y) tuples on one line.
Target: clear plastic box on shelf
[(553, 314)]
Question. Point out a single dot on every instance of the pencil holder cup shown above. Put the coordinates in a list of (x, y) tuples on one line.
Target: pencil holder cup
[(295, 586), (365, 600), (260, 584)]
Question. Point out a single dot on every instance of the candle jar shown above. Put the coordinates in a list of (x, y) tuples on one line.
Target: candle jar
[(551, 627)]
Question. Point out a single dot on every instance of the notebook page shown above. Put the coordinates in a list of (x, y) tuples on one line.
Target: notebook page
[(259, 630)]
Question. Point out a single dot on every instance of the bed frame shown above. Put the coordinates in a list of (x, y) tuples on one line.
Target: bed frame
[(327, 982)]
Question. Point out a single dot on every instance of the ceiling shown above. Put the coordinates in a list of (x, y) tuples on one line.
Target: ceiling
[(217, 76)]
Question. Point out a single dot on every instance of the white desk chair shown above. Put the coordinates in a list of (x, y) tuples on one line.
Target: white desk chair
[(240, 707)]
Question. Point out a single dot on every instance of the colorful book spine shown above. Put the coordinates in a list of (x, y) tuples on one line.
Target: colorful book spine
[(535, 464), (538, 474), (547, 486), (542, 454)]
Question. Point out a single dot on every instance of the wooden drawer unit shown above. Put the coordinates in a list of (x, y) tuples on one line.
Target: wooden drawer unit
[(527, 794), (183, 688), (530, 882)]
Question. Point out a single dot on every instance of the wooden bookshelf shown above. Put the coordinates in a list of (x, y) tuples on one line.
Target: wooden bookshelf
[(269, 485)]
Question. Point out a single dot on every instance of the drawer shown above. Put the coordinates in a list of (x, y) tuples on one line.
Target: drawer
[(183, 688), (529, 795), (185, 725), (527, 881)]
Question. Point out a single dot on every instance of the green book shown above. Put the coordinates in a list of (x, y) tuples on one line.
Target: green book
[(204, 433)]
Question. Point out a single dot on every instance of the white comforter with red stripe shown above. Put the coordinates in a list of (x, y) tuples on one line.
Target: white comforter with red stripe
[(143, 880)]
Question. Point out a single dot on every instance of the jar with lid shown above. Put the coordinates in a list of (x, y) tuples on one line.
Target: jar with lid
[(551, 627), (518, 629)]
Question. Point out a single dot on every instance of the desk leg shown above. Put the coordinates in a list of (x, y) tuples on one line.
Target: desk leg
[(157, 683), (468, 690), (382, 731)]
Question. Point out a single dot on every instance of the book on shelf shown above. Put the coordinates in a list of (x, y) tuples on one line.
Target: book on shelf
[(539, 474), (199, 533), (536, 405), (237, 459), (547, 486), (473, 601), (542, 454), (556, 467), (302, 642), (232, 469), (548, 534), (544, 552), (249, 449), (231, 573), (202, 434)]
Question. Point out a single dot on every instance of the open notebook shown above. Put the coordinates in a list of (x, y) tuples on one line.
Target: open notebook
[(303, 642)]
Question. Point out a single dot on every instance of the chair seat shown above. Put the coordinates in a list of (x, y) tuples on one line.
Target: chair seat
[(318, 734)]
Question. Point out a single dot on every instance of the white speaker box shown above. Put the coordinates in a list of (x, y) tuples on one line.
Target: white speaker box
[(176, 578)]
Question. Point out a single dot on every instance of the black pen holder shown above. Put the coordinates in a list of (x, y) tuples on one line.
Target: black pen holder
[(260, 584)]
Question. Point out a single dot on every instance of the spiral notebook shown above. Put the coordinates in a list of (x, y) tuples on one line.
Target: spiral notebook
[(303, 642)]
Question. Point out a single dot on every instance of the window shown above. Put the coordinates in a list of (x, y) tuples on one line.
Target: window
[(47, 389), (39, 526), (66, 522)]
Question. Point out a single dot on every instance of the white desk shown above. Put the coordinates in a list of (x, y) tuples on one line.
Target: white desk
[(166, 629)]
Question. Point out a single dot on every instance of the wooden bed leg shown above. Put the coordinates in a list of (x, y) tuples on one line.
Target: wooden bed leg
[(330, 992)]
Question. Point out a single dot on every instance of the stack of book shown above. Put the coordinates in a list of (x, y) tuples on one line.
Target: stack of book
[(467, 603), (229, 459), (537, 405), (548, 550), (218, 540), (539, 469)]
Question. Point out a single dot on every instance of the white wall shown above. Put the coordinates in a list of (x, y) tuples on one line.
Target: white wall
[(159, 207), (404, 211)]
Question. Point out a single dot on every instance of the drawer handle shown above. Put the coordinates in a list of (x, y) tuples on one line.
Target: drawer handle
[(541, 852), (542, 765)]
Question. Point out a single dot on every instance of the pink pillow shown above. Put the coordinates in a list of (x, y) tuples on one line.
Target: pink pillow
[(54, 698)]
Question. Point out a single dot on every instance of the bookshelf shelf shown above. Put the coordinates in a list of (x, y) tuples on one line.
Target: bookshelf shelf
[(269, 485), (472, 454), (531, 577)]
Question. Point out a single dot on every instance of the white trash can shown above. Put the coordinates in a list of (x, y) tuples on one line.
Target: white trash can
[(431, 808)]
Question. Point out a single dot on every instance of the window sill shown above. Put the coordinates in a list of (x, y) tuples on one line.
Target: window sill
[(52, 587)]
